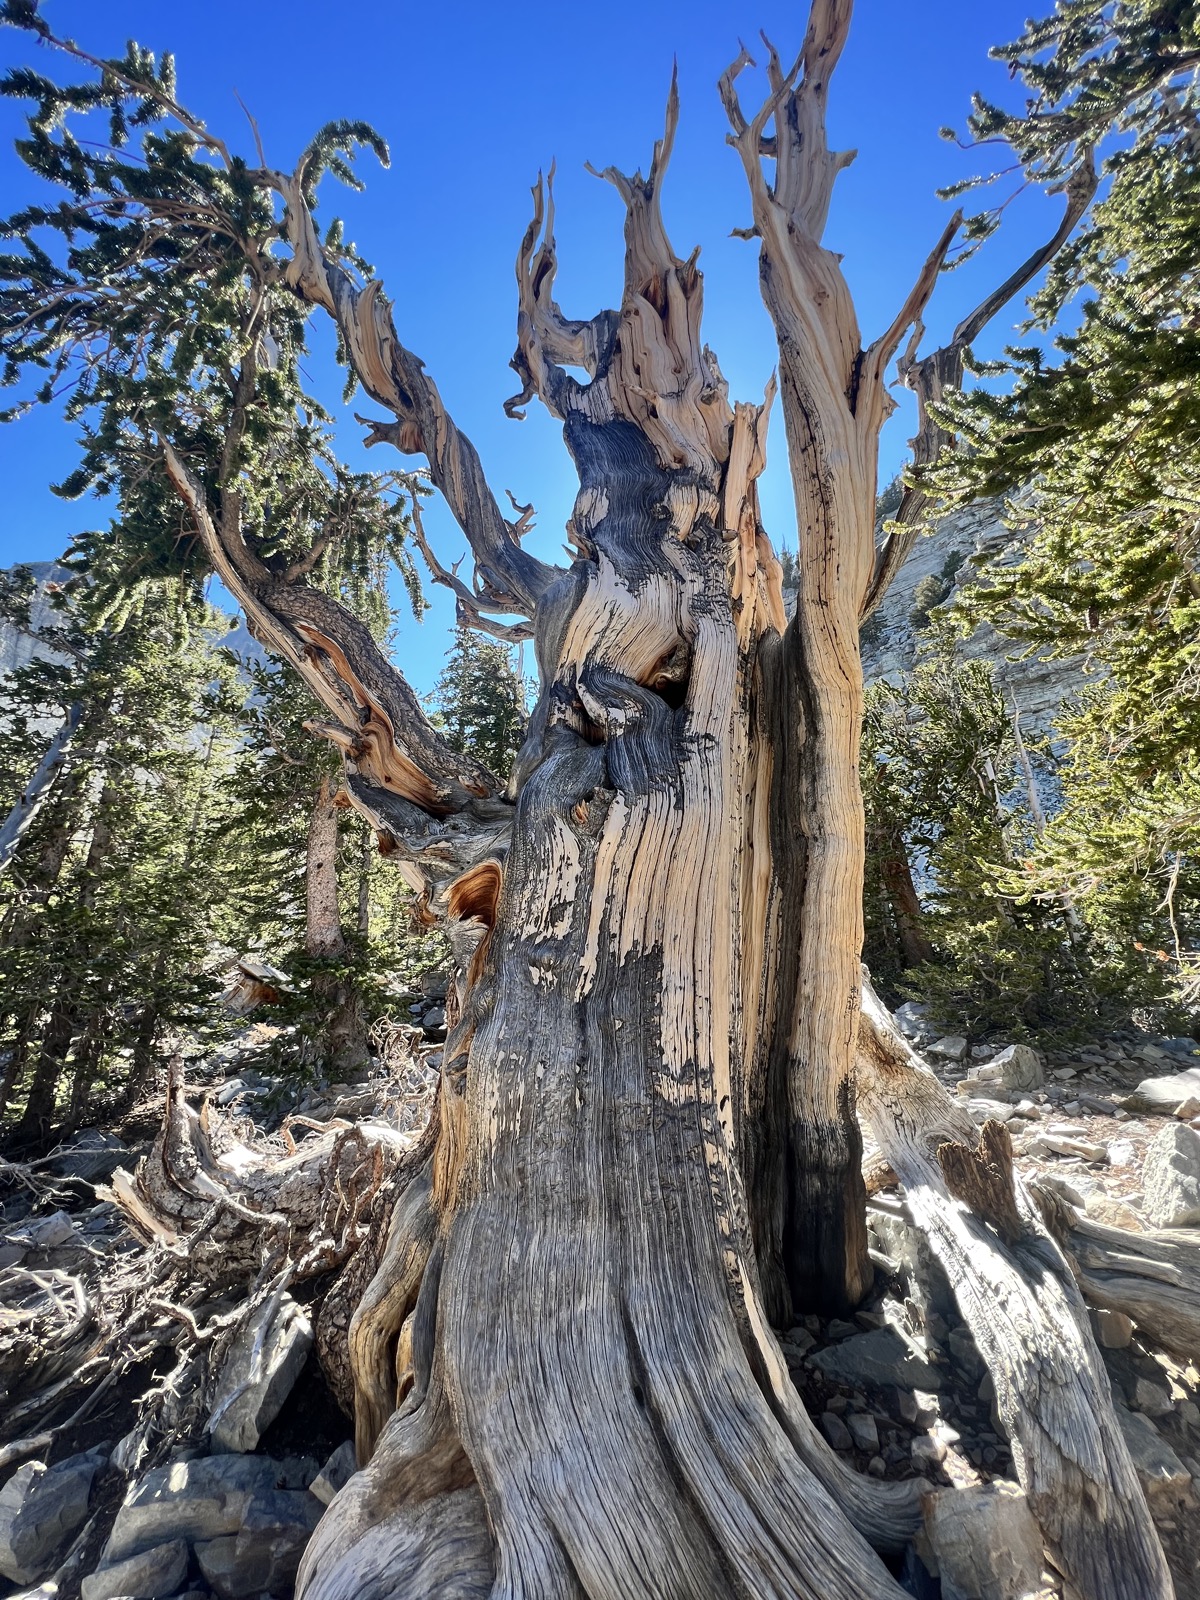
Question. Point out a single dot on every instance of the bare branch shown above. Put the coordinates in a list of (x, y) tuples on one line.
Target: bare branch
[(803, 284), (929, 377), (395, 378), (546, 340), (467, 608), (387, 738), (878, 356)]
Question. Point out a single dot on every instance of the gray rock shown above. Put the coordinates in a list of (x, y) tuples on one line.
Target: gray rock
[(336, 1473), (990, 1111), (90, 1156), (263, 1556), (1018, 1067), (1072, 1194), (1184, 1048), (982, 1542), (40, 1507), (927, 1452), (1062, 1144), (924, 1276), (916, 1406), (1162, 1474), (436, 1018), (912, 1019), (47, 1233), (796, 1343), (1115, 1213), (262, 1365), (189, 1500), (1171, 1177), (149, 1575), (1114, 1329), (952, 1048), (1164, 1096), (880, 1357), (863, 1430), (1152, 1398), (835, 1430)]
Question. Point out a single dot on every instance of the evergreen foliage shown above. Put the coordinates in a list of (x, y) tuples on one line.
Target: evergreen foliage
[(385, 948), (1096, 441), (105, 912), (479, 701), (149, 298), (945, 796)]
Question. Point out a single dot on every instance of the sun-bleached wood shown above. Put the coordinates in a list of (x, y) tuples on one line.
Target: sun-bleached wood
[(644, 1152), (1016, 1294)]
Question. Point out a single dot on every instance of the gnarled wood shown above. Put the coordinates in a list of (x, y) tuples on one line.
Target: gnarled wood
[(1017, 1296), (1152, 1277), (931, 376), (612, 1380)]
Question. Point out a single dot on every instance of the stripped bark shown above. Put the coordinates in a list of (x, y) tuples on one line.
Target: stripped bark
[(584, 1231), (1017, 1296), (834, 403)]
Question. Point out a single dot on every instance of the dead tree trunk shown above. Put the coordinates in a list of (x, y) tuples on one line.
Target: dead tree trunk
[(565, 1379), (324, 941)]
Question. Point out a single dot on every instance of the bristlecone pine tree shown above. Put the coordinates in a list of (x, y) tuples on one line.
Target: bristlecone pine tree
[(645, 1149)]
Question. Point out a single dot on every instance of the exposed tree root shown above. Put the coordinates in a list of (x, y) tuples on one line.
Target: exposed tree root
[(1154, 1278), (1017, 1296), (224, 1227)]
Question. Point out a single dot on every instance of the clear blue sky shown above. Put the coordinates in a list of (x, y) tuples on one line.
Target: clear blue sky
[(473, 99)]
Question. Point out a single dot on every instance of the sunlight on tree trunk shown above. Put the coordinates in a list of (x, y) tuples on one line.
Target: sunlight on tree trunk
[(647, 1143)]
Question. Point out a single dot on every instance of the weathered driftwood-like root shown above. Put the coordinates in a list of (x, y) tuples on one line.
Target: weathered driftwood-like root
[(412, 1522), (1017, 1296), (1154, 1278), (381, 1333), (227, 1210)]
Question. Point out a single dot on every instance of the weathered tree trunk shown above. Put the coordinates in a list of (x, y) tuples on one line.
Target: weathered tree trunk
[(896, 873), (645, 1143), (324, 941), (1017, 1296)]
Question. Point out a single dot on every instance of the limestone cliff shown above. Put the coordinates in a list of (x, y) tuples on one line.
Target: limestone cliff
[(1038, 685)]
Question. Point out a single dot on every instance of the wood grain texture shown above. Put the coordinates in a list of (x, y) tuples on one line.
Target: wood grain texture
[(1030, 1326), (1153, 1277), (598, 1332)]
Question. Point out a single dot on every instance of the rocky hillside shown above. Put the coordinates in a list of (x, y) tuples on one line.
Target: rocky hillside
[(1038, 686), (889, 641), (19, 646)]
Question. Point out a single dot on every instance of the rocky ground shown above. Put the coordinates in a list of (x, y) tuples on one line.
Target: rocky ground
[(92, 1503)]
